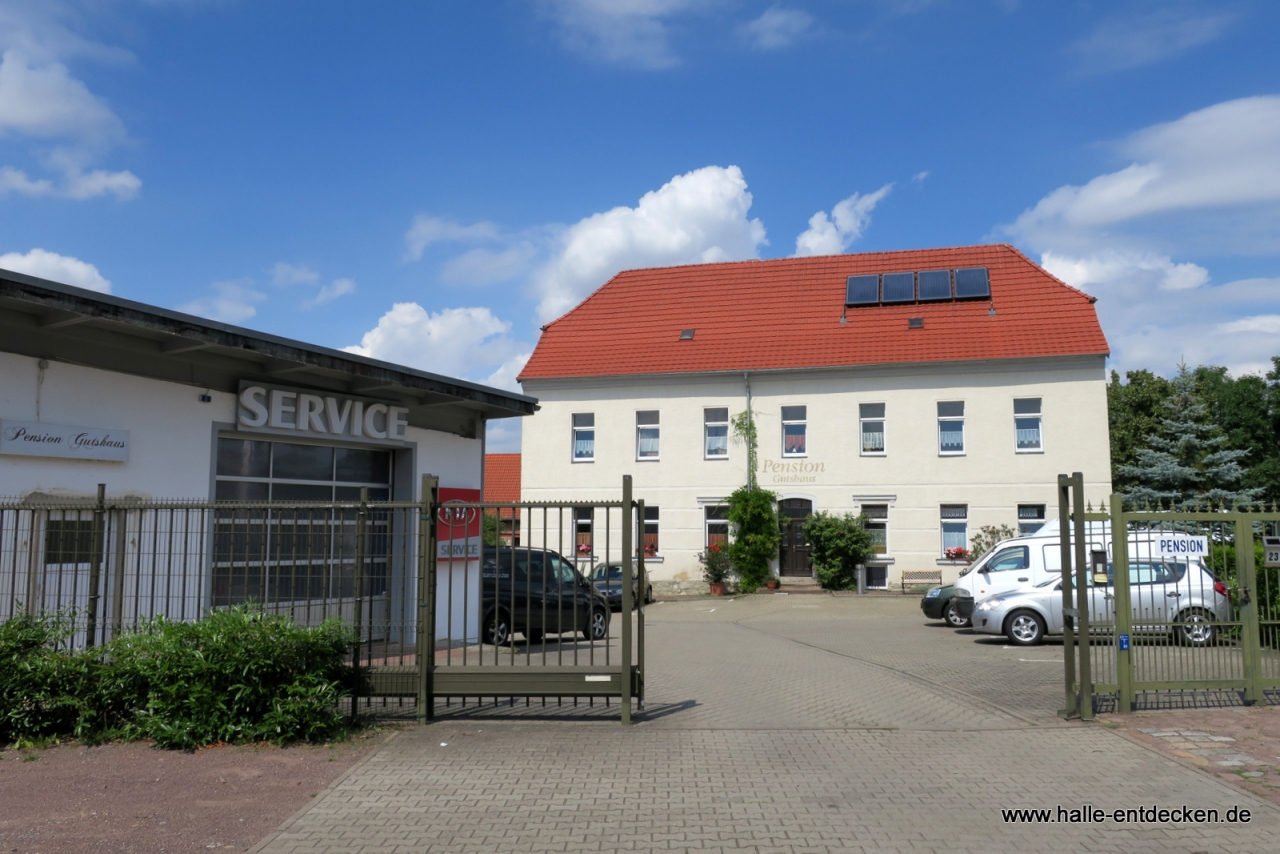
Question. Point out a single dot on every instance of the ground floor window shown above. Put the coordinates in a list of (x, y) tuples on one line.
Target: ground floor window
[(650, 538), (955, 531), (877, 577), (582, 545), (877, 525), (717, 524), (1030, 518)]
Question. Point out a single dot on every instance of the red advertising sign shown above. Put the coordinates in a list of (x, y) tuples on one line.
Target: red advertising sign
[(458, 528)]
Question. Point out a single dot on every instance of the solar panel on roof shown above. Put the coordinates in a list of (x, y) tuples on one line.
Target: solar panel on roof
[(862, 290), (899, 287), (935, 285), (972, 282)]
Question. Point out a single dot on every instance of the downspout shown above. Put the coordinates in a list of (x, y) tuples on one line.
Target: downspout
[(751, 472)]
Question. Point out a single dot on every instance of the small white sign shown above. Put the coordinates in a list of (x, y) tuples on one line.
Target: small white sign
[(468, 547), (1182, 545), (37, 439), (1271, 551)]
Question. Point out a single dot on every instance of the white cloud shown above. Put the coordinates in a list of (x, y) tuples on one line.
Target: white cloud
[(330, 292), (632, 33), (1112, 266), (425, 230), (848, 220), (698, 217), (231, 302), (487, 266), (502, 436), (505, 376), (452, 342), (1127, 42), (1267, 324), (46, 101), (776, 28), (283, 275), (57, 268), (919, 177)]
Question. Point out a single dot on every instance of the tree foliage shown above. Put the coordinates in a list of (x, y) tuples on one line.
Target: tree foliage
[(987, 536), (839, 544), (753, 521)]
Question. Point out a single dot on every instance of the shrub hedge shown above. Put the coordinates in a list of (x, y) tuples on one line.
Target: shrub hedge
[(236, 676)]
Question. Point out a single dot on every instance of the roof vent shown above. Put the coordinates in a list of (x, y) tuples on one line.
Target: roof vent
[(686, 334), (915, 323)]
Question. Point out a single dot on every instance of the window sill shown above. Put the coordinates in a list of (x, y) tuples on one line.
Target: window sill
[(873, 454), (1028, 450), (942, 561), (951, 453), (585, 460), (653, 559), (720, 458), (878, 560)]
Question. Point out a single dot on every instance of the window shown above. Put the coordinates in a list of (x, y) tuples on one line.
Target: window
[(716, 433), (647, 435), (877, 525), (955, 530), (650, 538), (68, 541), (1030, 518), (1005, 560), (871, 418), (1026, 424), (717, 521), (584, 437), (582, 546), (793, 431), (951, 427)]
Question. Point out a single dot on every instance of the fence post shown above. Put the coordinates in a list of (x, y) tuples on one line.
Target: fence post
[(628, 529), (426, 630), (358, 620), (1082, 598), (1249, 608), (1125, 699), (95, 565), (1068, 622)]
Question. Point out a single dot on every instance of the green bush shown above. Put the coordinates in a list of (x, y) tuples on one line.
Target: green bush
[(839, 544), (753, 517), (236, 676)]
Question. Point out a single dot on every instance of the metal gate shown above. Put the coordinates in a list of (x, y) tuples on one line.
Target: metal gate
[(529, 618), (1167, 607)]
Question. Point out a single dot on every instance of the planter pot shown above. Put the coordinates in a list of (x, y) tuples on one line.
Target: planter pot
[(717, 588), (772, 584)]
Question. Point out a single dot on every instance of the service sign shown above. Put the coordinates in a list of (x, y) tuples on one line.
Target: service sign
[(458, 528), (1182, 546), (276, 409), (1271, 551), (38, 439)]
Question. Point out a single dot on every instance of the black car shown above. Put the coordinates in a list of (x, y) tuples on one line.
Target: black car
[(607, 578), (537, 592), (939, 604)]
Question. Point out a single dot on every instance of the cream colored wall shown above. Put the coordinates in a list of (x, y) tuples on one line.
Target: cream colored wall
[(990, 477)]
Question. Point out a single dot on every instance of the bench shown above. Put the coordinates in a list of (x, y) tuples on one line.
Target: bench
[(922, 576)]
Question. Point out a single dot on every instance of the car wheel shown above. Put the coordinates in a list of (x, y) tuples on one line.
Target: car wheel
[(497, 629), (1196, 628), (1024, 628), (598, 626), (533, 635), (952, 618), (648, 596)]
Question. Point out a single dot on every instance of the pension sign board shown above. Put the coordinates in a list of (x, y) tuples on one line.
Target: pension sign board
[(1181, 546)]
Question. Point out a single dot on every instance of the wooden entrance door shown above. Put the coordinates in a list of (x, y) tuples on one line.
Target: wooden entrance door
[(794, 559)]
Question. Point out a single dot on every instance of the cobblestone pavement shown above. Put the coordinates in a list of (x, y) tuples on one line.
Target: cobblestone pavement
[(782, 724)]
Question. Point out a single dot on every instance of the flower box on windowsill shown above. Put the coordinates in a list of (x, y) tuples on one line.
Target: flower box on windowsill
[(942, 561)]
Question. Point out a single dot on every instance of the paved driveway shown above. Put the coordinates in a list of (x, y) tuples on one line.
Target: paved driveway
[(782, 724)]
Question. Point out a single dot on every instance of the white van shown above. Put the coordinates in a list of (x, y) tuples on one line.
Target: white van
[(1020, 562)]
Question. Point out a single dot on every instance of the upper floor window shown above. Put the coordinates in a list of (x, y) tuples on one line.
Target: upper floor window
[(1026, 424), (951, 427), (584, 436), (715, 432), (647, 435), (793, 431), (1030, 518), (871, 421)]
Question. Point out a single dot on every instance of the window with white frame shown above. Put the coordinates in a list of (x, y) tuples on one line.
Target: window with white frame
[(794, 424), (877, 525), (649, 538), (951, 427), (715, 432), (1026, 425), (647, 435), (717, 522), (955, 531), (871, 426), (1030, 518), (584, 437), (583, 547)]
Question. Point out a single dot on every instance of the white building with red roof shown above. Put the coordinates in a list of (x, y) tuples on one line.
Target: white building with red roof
[(935, 390)]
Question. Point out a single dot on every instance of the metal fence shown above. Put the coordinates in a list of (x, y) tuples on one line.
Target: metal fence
[(437, 615), (1168, 607)]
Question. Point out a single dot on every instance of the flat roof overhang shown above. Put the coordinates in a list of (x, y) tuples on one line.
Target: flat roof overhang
[(49, 320)]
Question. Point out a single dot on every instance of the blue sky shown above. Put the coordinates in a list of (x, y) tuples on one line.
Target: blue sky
[(431, 181)]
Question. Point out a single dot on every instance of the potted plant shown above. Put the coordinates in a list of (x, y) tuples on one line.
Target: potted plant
[(773, 583), (956, 553), (715, 567)]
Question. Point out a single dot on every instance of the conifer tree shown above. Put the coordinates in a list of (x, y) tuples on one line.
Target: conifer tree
[(1185, 460)]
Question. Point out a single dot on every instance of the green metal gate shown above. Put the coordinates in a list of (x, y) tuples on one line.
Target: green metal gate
[(1171, 606), (520, 620)]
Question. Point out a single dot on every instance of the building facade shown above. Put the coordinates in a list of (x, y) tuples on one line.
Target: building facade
[(931, 413)]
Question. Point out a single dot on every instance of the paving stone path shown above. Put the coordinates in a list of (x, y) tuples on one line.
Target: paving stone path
[(782, 724)]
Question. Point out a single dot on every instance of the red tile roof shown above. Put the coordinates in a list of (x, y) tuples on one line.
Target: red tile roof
[(763, 315), (501, 478)]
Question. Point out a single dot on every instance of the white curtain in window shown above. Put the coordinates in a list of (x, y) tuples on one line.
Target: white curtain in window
[(955, 535), (873, 437), (717, 441), (584, 446), (648, 443), (951, 435)]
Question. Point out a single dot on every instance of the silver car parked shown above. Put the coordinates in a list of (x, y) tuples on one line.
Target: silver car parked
[(1185, 599)]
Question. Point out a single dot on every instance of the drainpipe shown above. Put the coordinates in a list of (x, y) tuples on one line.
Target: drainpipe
[(751, 473)]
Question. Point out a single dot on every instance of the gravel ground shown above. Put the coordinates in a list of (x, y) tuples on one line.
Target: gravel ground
[(134, 798)]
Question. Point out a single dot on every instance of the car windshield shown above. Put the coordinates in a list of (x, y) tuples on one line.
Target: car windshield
[(613, 572)]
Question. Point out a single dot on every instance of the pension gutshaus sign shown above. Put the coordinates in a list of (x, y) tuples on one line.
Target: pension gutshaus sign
[(38, 439)]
